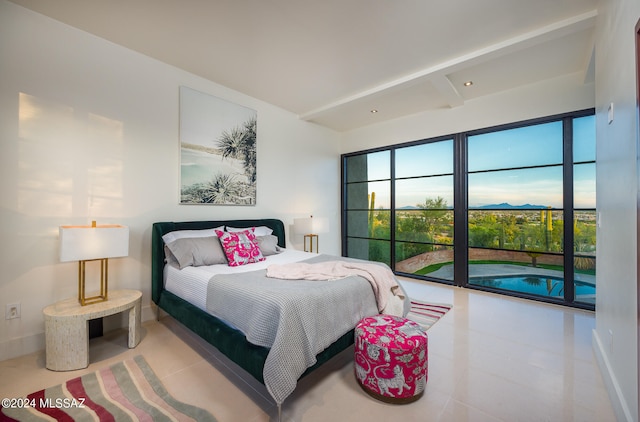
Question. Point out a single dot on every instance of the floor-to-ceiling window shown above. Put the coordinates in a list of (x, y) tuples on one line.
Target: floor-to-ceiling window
[(584, 208), (504, 192), (367, 206), (515, 216), (423, 193)]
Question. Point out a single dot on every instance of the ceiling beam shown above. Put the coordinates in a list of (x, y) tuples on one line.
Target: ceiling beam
[(443, 85), (588, 72), (437, 72)]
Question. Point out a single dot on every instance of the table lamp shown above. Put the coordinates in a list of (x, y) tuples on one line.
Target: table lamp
[(309, 228), (93, 243)]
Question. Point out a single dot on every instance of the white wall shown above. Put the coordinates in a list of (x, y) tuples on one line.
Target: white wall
[(616, 337), (89, 130)]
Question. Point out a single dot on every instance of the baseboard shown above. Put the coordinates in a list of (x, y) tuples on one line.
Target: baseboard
[(21, 346), (620, 405), (34, 343), (148, 313)]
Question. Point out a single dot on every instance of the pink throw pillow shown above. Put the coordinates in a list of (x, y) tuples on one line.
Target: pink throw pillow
[(240, 247)]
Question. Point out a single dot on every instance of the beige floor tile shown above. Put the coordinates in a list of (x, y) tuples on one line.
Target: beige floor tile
[(491, 358), (460, 412), (204, 384)]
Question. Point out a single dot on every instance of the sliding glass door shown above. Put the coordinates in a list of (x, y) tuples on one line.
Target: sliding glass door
[(515, 214), (424, 209), (485, 209)]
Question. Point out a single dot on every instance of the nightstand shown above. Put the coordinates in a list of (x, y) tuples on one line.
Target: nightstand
[(67, 329)]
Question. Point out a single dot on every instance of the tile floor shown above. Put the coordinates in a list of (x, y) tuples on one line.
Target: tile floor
[(491, 358)]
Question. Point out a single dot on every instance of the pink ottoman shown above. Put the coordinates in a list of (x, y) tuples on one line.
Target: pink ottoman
[(391, 358)]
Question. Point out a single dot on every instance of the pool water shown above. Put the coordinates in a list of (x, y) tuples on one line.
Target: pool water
[(533, 284)]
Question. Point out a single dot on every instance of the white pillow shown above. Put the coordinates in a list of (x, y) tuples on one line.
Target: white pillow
[(181, 234), (258, 231)]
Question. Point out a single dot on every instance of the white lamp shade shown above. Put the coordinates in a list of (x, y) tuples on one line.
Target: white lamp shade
[(83, 243), (311, 225), (303, 225)]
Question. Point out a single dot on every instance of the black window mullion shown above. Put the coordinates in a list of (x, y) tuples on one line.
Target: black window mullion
[(392, 216), (567, 200), (460, 213)]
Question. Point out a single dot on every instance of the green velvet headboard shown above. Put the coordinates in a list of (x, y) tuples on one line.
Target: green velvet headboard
[(160, 229)]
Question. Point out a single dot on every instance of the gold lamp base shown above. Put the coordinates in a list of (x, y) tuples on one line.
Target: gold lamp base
[(311, 238), (104, 263)]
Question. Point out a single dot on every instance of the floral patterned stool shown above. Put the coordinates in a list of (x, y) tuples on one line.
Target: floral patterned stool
[(391, 358)]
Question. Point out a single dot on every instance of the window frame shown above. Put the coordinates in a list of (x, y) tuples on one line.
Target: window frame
[(460, 202)]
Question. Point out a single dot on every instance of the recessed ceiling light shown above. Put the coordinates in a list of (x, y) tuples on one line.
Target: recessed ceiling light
[(468, 83), (374, 111)]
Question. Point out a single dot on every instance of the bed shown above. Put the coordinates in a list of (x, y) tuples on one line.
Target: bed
[(230, 340)]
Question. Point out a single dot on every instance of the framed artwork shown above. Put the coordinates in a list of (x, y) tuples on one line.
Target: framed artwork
[(217, 150)]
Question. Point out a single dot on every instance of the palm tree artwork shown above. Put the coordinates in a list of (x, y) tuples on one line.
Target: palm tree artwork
[(218, 151)]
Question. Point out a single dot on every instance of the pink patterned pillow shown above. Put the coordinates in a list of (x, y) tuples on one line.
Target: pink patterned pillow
[(240, 247)]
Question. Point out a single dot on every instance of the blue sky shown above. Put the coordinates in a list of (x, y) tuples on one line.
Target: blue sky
[(204, 117), (505, 150)]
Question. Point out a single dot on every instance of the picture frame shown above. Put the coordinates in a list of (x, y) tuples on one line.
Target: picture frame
[(218, 157)]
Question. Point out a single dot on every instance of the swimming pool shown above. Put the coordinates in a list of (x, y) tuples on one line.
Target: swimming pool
[(533, 284)]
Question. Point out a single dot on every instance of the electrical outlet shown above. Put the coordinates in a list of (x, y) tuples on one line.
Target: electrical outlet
[(12, 311)]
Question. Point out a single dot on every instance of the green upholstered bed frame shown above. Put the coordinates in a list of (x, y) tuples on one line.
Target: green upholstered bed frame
[(229, 341)]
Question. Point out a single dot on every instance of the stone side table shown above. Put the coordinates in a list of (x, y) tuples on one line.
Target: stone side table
[(67, 329)]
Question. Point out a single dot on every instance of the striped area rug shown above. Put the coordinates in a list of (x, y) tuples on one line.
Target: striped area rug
[(126, 391), (427, 314)]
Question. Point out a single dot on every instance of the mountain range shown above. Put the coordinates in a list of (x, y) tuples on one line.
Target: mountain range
[(501, 206), (506, 205)]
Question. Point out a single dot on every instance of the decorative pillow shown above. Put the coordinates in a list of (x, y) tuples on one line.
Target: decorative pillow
[(240, 247), (258, 231), (180, 234), (268, 245), (197, 251), (169, 258)]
